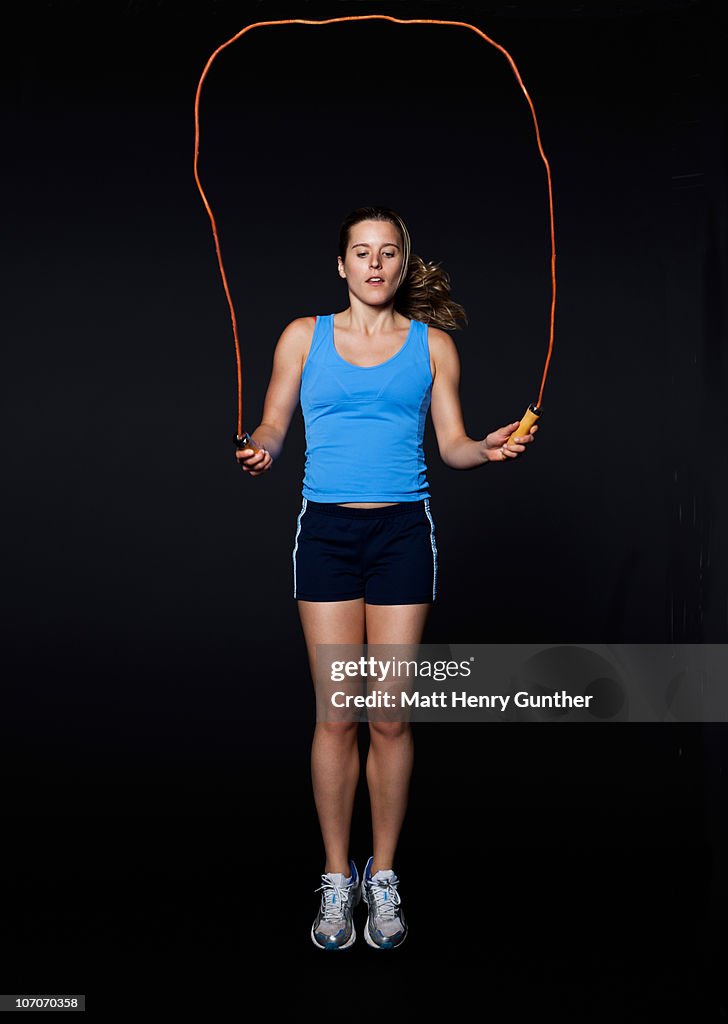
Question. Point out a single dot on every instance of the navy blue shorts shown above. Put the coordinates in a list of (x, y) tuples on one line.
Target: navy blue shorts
[(385, 555)]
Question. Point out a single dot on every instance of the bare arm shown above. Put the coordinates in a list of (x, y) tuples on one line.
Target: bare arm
[(281, 397), (457, 450)]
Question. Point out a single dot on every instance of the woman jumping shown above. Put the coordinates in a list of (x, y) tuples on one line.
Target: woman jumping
[(365, 553)]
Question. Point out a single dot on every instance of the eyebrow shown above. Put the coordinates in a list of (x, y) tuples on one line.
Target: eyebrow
[(356, 245)]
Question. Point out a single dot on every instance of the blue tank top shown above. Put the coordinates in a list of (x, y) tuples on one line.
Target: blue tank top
[(365, 424)]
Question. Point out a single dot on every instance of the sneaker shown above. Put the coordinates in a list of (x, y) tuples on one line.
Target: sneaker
[(386, 927), (333, 927)]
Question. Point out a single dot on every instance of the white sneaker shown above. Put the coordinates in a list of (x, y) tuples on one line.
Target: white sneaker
[(386, 927), (333, 927)]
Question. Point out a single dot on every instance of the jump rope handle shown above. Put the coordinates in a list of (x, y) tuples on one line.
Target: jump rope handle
[(530, 416), (245, 441)]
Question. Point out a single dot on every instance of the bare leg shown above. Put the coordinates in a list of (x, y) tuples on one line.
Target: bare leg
[(391, 749), (334, 753)]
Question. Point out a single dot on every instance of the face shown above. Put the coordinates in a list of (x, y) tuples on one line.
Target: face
[(374, 250)]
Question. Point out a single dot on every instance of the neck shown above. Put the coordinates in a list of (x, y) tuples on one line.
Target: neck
[(371, 319)]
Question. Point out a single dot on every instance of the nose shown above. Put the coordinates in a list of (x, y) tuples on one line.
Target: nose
[(374, 262)]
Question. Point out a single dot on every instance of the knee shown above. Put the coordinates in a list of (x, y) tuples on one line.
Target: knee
[(342, 732), (388, 730)]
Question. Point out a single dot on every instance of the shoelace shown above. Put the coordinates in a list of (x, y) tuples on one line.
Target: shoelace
[(386, 897), (333, 910)]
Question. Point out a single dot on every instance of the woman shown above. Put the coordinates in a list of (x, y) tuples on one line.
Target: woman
[(365, 554)]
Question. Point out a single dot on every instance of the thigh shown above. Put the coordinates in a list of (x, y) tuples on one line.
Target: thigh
[(396, 623), (403, 625), (331, 622)]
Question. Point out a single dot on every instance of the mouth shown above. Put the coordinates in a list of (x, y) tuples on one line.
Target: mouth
[(375, 280)]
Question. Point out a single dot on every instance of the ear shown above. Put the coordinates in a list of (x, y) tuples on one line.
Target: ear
[(342, 272)]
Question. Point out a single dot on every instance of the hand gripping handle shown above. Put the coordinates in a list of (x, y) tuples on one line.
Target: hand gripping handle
[(530, 416)]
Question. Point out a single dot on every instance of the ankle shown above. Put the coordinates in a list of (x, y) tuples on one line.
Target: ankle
[(337, 868)]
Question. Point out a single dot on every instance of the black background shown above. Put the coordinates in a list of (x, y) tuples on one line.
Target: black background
[(157, 707)]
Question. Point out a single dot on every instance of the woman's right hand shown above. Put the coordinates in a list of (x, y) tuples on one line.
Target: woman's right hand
[(254, 462)]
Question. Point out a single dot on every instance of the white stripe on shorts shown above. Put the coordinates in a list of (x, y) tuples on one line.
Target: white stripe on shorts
[(295, 546), (433, 545)]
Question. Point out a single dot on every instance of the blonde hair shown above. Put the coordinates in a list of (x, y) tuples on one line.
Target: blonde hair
[(423, 290)]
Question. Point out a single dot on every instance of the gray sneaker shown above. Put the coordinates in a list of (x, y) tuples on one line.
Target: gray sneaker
[(386, 927), (333, 927)]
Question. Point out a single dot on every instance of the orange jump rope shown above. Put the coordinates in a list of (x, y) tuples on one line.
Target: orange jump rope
[(243, 439)]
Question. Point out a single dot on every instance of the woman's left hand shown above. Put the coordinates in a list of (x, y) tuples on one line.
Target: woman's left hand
[(498, 450)]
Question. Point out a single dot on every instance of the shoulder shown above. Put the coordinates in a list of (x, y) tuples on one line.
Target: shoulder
[(299, 330), (295, 340), (439, 339), (443, 349)]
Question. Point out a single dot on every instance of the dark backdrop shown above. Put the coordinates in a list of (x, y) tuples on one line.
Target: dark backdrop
[(157, 707)]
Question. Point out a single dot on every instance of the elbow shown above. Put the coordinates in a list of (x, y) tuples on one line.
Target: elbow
[(444, 453), (450, 449)]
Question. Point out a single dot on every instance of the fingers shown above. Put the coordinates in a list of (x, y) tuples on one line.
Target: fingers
[(518, 444), (511, 449), (254, 462)]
